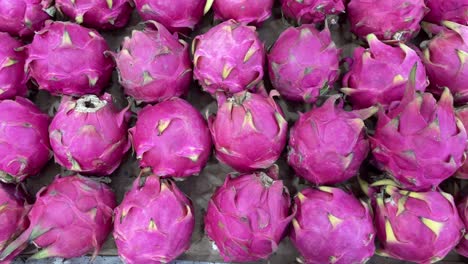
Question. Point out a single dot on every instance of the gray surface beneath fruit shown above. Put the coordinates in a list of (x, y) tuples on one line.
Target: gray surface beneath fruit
[(198, 188)]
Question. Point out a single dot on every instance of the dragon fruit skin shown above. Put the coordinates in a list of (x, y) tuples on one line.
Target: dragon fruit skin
[(89, 135), (462, 247), (311, 11), (67, 42), (421, 227), (165, 73), (24, 140), (243, 11), (247, 120), (462, 114), (177, 16), (14, 209), (447, 10), (12, 77), (445, 60), (98, 14), (23, 17), (70, 207), (154, 222), (395, 20), (228, 58), (303, 79), (248, 216), (420, 142), (330, 214), (327, 145), (172, 139), (380, 74)]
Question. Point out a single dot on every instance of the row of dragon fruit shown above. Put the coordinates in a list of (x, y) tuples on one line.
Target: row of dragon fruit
[(399, 106)]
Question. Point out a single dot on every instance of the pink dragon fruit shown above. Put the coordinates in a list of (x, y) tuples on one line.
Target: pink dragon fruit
[(327, 145), (165, 73), (89, 135), (380, 74), (462, 247), (395, 20), (154, 223), (23, 17), (451, 10), (228, 58), (420, 227), (12, 77), (243, 11), (181, 15), (462, 114), (71, 207), (311, 11), (60, 43), (244, 121), (330, 214), (445, 58), (303, 63), (109, 14), (13, 212), (247, 217), (24, 140), (172, 139), (419, 142)]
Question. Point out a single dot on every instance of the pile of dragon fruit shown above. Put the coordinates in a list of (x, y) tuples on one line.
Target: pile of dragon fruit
[(346, 156)]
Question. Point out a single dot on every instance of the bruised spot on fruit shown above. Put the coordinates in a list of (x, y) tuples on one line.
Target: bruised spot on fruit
[(434, 226)]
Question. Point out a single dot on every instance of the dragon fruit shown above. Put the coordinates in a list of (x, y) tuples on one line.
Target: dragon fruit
[(154, 223), (71, 207), (419, 142), (243, 11), (109, 14), (311, 11), (247, 120), (13, 212), (60, 43), (23, 17), (165, 73), (395, 20), (12, 77), (303, 63), (24, 140), (327, 145), (462, 114), (462, 247), (247, 217), (89, 135), (380, 74), (450, 10), (330, 214), (228, 58), (172, 139), (181, 15), (445, 58), (420, 227)]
